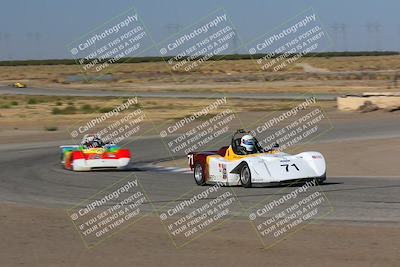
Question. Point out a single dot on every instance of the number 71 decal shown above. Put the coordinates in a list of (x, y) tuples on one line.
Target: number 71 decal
[(292, 165)]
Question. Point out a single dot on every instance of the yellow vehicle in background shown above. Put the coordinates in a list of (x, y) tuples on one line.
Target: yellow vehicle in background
[(19, 85)]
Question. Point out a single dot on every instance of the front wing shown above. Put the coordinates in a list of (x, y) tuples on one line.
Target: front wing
[(98, 164)]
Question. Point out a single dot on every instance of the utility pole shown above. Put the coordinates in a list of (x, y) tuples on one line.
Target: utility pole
[(343, 32), (235, 42), (373, 30), (38, 40), (335, 29), (368, 26), (7, 37)]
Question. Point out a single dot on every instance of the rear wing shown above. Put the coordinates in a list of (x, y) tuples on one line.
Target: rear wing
[(197, 156), (72, 147), (69, 147)]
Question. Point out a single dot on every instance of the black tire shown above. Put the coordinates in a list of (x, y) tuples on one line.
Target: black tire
[(320, 180), (72, 162), (198, 174), (71, 167), (245, 176)]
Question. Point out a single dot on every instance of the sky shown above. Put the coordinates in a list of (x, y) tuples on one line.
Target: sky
[(42, 29)]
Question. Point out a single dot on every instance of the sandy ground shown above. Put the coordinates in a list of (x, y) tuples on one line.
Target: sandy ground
[(360, 158), (31, 127), (30, 122), (46, 237)]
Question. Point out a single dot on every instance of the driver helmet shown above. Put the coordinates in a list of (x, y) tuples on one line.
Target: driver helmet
[(248, 142), (89, 139)]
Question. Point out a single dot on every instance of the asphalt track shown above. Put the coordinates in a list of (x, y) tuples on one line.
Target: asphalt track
[(8, 90), (31, 174)]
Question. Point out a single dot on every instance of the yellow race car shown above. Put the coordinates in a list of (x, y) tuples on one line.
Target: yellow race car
[(19, 85)]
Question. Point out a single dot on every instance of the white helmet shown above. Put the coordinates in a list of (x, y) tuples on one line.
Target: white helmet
[(247, 142), (90, 141), (88, 138)]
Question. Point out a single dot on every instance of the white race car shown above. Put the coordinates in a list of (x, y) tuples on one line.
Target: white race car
[(233, 166)]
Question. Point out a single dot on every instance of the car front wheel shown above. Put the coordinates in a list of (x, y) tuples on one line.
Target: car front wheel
[(320, 180), (245, 176)]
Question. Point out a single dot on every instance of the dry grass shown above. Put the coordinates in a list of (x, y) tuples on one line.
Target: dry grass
[(37, 112), (219, 76)]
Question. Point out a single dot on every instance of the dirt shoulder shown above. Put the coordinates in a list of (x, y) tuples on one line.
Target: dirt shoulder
[(46, 237), (360, 158)]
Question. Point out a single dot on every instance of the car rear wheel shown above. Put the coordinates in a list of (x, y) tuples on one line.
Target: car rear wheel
[(199, 174), (245, 176)]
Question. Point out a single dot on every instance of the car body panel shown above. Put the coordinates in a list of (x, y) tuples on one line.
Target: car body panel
[(78, 158), (19, 85), (268, 167)]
